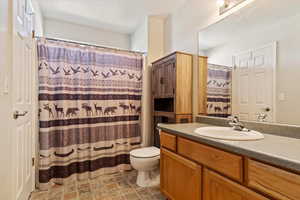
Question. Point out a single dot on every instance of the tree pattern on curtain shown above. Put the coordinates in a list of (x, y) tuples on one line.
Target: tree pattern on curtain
[(89, 108), (219, 91)]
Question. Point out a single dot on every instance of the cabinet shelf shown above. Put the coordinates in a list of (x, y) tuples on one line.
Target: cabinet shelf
[(164, 114), (163, 96)]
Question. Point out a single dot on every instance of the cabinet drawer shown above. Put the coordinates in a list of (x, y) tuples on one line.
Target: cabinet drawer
[(273, 181), (223, 162), (168, 141)]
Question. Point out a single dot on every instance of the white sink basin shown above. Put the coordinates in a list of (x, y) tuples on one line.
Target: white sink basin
[(227, 133)]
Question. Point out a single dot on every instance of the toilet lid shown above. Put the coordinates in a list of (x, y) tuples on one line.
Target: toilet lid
[(147, 152)]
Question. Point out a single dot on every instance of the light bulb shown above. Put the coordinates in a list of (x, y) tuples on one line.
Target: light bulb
[(221, 3)]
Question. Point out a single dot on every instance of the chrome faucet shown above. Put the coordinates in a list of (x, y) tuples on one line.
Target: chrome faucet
[(235, 123)]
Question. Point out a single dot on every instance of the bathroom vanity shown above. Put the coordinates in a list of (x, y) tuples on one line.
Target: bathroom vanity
[(199, 168)]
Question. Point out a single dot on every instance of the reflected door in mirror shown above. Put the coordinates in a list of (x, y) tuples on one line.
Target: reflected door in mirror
[(253, 84)]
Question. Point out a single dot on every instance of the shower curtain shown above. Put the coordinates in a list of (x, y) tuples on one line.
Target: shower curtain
[(89, 110), (219, 90)]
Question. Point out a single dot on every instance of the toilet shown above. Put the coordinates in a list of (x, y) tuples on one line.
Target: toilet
[(145, 160)]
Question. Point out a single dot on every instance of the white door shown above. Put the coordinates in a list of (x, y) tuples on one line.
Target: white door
[(253, 84), (241, 91), (23, 84)]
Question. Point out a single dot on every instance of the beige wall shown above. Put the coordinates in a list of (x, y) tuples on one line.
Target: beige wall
[(182, 26), (286, 33), (5, 101), (156, 28), (139, 39), (69, 31), (149, 37)]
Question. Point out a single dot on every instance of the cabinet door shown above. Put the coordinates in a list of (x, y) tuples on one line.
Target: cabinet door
[(217, 187), (168, 78), (154, 80), (180, 178), (157, 80)]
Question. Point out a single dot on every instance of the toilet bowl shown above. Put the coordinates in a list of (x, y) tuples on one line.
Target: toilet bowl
[(145, 160)]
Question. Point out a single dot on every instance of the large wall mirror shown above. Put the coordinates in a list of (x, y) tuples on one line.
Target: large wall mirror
[(253, 68)]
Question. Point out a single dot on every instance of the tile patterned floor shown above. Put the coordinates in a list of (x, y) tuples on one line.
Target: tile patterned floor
[(120, 186)]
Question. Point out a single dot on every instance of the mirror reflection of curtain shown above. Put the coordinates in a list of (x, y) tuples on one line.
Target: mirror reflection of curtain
[(219, 83), (90, 106)]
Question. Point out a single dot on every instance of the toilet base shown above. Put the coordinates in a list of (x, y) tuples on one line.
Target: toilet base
[(148, 178), (143, 178)]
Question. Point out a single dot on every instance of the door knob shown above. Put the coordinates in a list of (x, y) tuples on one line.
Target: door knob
[(267, 109), (17, 114)]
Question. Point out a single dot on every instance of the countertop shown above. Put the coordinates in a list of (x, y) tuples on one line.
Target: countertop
[(273, 149)]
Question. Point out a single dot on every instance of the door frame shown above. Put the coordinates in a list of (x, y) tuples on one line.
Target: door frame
[(35, 107), (274, 46)]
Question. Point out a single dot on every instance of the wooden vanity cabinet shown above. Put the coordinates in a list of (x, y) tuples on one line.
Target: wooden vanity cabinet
[(226, 163), (168, 141), (180, 178), (194, 171), (217, 187), (275, 182)]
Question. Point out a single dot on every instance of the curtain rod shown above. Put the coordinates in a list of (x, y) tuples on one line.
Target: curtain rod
[(88, 44)]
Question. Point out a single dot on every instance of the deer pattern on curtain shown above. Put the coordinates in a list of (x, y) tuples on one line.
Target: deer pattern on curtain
[(219, 91), (89, 110)]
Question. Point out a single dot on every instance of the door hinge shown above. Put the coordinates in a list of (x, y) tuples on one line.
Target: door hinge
[(32, 161)]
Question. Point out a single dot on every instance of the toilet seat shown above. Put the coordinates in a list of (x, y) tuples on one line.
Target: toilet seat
[(147, 152)]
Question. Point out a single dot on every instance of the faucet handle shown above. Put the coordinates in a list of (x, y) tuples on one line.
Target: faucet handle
[(230, 117), (262, 117)]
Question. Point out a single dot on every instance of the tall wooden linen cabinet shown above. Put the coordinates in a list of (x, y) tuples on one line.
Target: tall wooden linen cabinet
[(172, 82)]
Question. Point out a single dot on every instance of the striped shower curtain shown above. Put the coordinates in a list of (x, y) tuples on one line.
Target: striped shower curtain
[(219, 91), (89, 110)]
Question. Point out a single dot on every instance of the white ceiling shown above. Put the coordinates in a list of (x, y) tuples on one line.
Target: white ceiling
[(255, 17), (122, 16)]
